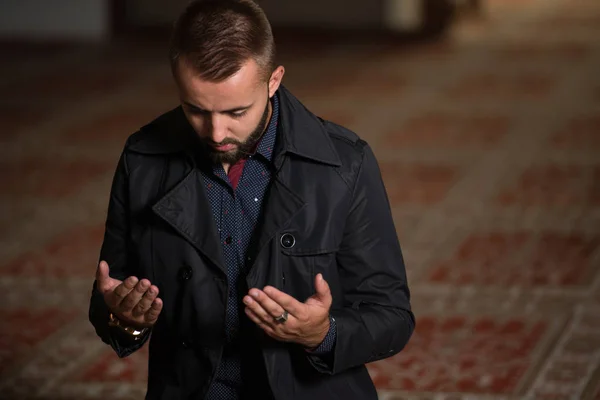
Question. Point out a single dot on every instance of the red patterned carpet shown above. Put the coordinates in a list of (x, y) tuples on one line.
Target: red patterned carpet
[(490, 148)]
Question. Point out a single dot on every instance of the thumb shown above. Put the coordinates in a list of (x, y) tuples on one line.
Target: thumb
[(323, 292), (102, 276)]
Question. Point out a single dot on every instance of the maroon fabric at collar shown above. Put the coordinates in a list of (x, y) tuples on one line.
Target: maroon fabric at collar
[(235, 172)]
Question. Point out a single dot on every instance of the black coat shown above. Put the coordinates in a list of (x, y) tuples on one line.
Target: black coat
[(326, 191)]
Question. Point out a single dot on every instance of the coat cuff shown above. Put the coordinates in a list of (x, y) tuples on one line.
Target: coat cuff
[(328, 343)]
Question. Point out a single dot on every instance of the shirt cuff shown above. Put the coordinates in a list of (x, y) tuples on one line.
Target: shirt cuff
[(328, 343)]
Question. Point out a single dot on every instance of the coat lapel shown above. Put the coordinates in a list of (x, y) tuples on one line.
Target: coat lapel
[(282, 204), (186, 208)]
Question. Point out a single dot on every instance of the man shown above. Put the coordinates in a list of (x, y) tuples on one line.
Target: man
[(252, 241)]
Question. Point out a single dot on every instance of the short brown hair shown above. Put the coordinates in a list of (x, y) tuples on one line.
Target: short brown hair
[(217, 36)]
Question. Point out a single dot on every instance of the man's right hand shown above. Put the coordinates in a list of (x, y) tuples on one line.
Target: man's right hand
[(132, 301)]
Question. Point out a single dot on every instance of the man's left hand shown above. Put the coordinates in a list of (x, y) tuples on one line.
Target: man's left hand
[(307, 323)]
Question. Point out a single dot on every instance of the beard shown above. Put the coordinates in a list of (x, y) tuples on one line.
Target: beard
[(243, 148)]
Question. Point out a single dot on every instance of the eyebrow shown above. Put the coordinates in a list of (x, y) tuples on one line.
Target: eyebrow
[(231, 110)]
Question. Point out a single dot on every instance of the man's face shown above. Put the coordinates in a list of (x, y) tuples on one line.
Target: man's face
[(231, 116)]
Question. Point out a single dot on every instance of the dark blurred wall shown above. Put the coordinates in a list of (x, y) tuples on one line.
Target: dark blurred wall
[(150, 13), (54, 19), (96, 19), (396, 15)]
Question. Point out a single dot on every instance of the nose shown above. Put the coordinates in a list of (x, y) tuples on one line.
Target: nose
[(217, 128)]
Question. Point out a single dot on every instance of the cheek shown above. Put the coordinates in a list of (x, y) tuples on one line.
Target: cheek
[(197, 122), (239, 131)]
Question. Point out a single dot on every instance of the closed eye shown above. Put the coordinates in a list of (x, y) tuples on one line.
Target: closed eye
[(238, 114)]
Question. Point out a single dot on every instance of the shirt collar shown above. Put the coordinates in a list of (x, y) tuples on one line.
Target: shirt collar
[(266, 143)]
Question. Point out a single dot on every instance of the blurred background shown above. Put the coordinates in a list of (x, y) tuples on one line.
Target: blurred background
[(484, 115)]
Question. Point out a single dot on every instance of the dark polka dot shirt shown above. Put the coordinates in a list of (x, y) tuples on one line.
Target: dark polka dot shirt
[(236, 201)]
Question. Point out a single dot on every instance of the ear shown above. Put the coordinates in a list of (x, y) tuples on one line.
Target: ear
[(275, 80)]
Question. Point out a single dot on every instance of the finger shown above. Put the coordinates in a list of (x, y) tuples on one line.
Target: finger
[(267, 303), (125, 287), (259, 311), (145, 303), (135, 295), (287, 302), (123, 290), (262, 325), (152, 314), (253, 317)]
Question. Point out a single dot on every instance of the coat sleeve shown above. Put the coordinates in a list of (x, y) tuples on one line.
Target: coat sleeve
[(376, 321), (115, 252)]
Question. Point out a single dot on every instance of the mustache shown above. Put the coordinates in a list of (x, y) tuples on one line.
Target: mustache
[(240, 145), (223, 143)]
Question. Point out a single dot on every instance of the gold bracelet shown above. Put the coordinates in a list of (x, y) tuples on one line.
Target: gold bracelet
[(136, 334)]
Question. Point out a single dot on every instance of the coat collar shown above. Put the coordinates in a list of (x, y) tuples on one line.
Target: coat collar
[(303, 133), (300, 132)]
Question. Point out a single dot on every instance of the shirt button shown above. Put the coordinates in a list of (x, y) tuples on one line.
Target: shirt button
[(185, 273), (228, 240)]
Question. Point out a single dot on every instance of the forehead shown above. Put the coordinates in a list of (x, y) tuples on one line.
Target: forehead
[(240, 89)]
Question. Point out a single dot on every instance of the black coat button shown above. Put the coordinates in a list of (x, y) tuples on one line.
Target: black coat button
[(228, 240), (185, 273), (288, 241), (186, 344)]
